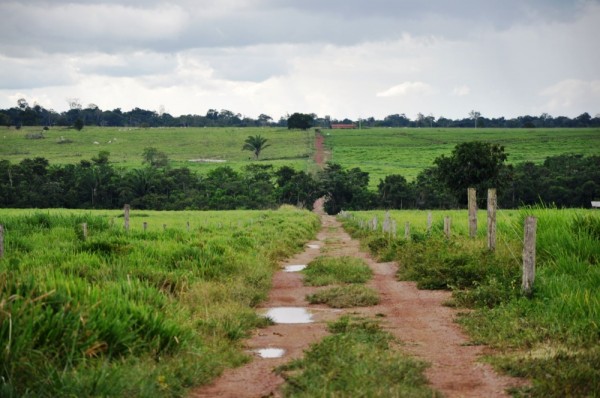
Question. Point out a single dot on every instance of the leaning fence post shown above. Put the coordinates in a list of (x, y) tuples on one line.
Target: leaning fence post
[(126, 216), (447, 226), (529, 256), (1, 241), (491, 219), (472, 193)]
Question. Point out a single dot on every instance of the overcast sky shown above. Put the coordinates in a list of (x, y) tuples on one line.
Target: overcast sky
[(343, 58)]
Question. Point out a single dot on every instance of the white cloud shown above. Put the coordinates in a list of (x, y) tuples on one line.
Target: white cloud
[(407, 88), (281, 56), (571, 96), (461, 91)]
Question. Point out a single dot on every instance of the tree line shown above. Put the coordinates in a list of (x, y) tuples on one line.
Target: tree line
[(564, 181), (25, 114)]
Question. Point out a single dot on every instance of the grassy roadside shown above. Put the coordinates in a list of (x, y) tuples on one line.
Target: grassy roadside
[(139, 314), (552, 338)]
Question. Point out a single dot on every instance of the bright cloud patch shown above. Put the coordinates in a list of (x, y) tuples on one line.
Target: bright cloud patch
[(461, 91), (407, 88), (572, 94)]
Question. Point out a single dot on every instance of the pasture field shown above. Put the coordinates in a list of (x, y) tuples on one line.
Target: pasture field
[(139, 313), (550, 338), (407, 151), (126, 145)]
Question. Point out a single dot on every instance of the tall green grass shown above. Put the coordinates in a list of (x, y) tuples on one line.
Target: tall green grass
[(551, 338), (133, 313)]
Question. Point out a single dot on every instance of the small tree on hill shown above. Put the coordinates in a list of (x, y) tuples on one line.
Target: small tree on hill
[(255, 144)]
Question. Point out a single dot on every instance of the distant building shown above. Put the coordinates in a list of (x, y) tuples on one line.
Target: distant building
[(343, 125)]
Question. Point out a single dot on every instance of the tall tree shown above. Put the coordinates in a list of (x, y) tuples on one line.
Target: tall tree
[(300, 121), (475, 116), (256, 144), (472, 164)]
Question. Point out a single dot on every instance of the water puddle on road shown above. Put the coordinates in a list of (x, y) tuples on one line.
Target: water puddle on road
[(289, 315), (270, 352), (294, 268)]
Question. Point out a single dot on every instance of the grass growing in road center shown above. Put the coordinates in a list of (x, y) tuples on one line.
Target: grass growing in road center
[(331, 270), (357, 360)]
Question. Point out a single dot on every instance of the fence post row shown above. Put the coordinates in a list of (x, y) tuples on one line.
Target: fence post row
[(491, 218), (126, 216), (472, 194), (529, 255)]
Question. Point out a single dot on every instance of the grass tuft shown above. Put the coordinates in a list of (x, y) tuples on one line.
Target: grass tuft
[(331, 270), (357, 360), (345, 296)]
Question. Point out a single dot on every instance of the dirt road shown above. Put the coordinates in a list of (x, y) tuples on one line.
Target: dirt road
[(416, 317)]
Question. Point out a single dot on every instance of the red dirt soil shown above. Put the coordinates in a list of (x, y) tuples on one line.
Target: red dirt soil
[(416, 317)]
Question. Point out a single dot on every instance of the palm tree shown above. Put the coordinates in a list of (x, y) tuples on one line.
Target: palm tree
[(256, 144)]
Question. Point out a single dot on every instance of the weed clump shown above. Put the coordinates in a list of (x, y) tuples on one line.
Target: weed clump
[(330, 270)]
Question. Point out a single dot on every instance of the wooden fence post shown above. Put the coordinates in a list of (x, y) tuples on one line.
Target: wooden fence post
[(188, 226), (126, 216), (407, 230), (145, 226), (472, 212), (491, 219), (447, 226), (1, 241), (164, 227), (84, 229), (429, 221), (529, 256)]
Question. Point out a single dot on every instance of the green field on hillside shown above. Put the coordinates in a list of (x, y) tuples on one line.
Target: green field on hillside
[(407, 151), (378, 151), (210, 147)]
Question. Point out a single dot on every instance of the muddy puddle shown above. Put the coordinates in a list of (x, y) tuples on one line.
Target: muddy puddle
[(294, 268), (289, 315), (268, 353)]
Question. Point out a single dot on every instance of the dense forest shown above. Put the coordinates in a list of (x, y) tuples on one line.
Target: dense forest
[(562, 181), (25, 114)]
